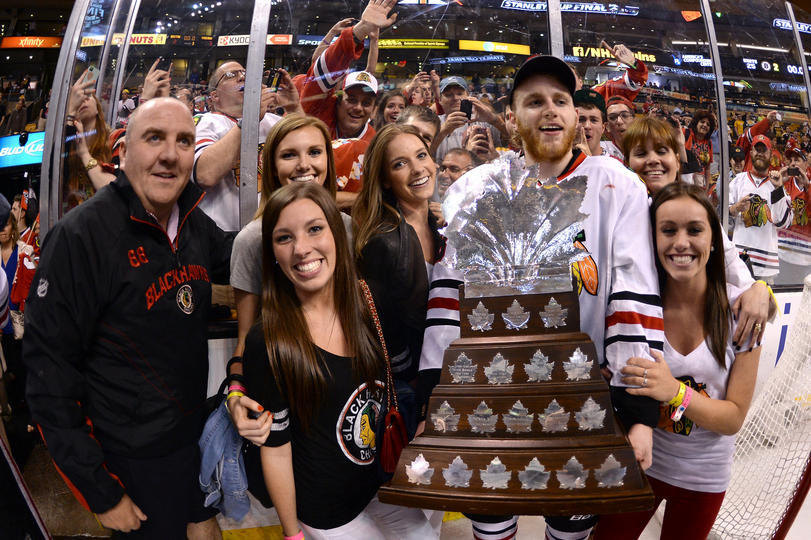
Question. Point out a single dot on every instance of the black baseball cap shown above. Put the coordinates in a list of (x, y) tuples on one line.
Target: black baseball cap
[(545, 65), (738, 154), (587, 96)]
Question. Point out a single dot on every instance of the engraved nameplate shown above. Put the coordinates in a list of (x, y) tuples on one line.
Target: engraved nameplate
[(539, 367), (554, 315), (611, 473), (573, 475), (590, 416), (518, 419), (516, 318), (499, 371), (445, 418), (554, 418), (457, 474), (496, 476), (534, 476), (480, 319), (419, 471), (578, 367), (482, 420), (463, 370)]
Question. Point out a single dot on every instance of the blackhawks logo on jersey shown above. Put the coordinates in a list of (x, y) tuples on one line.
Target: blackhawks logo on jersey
[(758, 214), (355, 429), (585, 270), (800, 212)]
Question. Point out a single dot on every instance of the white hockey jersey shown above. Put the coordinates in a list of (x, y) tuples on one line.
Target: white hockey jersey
[(756, 229), (620, 310), (221, 202)]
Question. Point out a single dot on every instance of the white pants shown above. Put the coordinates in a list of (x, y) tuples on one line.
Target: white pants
[(378, 521)]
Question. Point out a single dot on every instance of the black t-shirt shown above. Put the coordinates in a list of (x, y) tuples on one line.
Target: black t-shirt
[(333, 462)]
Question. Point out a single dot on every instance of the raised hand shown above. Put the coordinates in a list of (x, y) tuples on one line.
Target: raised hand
[(620, 52), (157, 82)]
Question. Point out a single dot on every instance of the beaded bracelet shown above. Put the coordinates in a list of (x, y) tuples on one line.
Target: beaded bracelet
[(679, 396), (677, 414)]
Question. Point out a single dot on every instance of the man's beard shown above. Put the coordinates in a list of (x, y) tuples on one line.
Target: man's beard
[(545, 153), (760, 165)]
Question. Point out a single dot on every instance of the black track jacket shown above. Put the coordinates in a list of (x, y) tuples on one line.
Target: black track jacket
[(115, 334)]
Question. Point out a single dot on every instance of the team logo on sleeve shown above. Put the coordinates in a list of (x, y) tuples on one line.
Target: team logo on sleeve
[(585, 270), (42, 288), (355, 429)]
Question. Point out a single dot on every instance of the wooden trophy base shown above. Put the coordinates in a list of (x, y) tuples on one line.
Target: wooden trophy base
[(521, 421)]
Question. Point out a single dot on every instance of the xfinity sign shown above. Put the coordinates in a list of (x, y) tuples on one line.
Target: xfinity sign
[(14, 155)]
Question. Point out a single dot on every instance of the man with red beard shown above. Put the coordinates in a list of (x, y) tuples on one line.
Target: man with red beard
[(761, 207), (620, 308)]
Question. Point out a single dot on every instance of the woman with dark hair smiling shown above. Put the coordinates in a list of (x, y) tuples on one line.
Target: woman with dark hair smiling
[(297, 149), (651, 150), (704, 383), (396, 243), (314, 362), (388, 109)]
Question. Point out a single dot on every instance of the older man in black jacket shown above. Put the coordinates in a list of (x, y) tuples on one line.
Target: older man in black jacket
[(115, 339)]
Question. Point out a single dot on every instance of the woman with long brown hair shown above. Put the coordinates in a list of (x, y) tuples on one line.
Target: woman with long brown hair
[(89, 155), (651, 148), (314, 363), (388, 109), (704, 383), (297, 149), (396, 242)]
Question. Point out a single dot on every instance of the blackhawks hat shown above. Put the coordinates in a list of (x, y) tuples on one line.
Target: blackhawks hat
[(361, 78), (763, 139), (792, 147), (544, 65)]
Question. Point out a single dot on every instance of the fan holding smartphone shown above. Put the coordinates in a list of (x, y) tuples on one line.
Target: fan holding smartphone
[(86, 135), (460, 109)]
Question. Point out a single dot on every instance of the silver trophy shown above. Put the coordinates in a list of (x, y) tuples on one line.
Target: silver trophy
[(513, 234)]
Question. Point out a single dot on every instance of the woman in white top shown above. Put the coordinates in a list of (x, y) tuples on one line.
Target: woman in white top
[(652, 151), (704, 384)]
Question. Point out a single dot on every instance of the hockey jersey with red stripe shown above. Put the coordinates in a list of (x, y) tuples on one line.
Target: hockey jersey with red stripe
[(756, 228), (626, 85), (623, 315)]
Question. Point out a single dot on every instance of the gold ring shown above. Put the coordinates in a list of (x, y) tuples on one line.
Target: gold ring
[(758, 326)]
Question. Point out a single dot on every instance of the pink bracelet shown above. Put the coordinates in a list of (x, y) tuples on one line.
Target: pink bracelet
[(299, 536), (677, 414), (237, 388)]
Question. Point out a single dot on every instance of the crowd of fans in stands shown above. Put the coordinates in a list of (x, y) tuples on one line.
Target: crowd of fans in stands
[(387, 158)]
